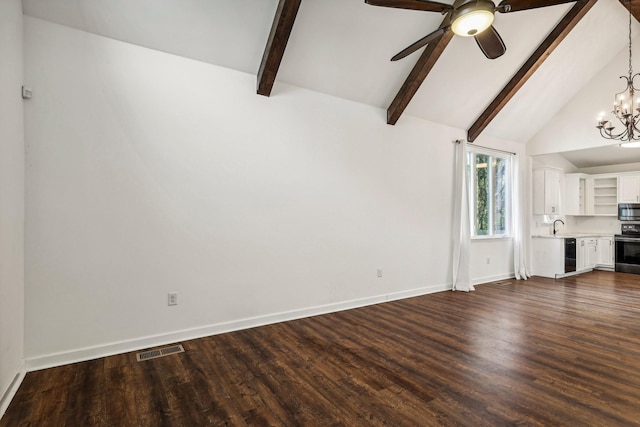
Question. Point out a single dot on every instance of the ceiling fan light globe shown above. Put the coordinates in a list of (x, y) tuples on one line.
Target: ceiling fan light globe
[(472, 18)]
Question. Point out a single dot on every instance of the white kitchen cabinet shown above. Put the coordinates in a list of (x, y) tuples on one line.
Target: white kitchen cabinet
[(591, 252), (546, 191), (574, 194), (604, 247), (604, 194), (586, 253), (629, 189), (548, 257), (581, 255)]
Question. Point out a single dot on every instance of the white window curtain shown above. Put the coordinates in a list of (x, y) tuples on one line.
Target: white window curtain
[(461, 226), (520, 221)]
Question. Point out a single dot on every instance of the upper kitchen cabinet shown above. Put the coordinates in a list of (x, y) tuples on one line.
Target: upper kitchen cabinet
[(629, 189), (546, 191), (596, 195), (574, 194), (604, 194)]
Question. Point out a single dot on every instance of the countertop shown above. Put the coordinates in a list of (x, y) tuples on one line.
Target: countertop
[(572, 235)]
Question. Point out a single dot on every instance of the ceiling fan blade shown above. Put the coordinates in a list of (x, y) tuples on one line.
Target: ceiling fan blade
[(428, 6), (421, 43), (490, 43), (517, 5)]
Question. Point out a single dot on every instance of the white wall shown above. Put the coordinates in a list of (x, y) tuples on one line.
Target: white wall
[(492, 259), (593, 224), (554, 161), (573, 127), (626, 167), (11, 201), (149, 173)]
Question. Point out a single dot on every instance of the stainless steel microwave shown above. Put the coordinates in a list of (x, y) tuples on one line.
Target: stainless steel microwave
[(629, 211)]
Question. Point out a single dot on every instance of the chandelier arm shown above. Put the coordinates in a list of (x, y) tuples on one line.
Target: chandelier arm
[(607, 134), (632, 81), (625, 107), (624, 135)]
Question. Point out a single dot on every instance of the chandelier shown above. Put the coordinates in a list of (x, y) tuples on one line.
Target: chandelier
[(626, 108)]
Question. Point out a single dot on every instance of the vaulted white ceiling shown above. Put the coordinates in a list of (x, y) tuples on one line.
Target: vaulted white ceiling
[(342, 48)]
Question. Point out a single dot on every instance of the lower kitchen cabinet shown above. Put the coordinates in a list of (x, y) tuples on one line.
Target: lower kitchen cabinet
[(551, 259), (604, 246), (587, 256), (548, 257)]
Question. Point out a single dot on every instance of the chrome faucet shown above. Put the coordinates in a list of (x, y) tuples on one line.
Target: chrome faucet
[(554, 225)]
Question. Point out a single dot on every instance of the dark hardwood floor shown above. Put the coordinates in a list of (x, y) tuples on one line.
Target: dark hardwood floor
[(541, 352)]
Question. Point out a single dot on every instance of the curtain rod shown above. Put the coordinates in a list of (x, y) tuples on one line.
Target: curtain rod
[(470, 144)]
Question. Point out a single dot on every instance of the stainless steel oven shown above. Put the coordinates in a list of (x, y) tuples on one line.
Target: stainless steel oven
[(627, 249)]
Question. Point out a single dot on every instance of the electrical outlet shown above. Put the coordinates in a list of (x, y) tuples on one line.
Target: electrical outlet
[(27, 93), (172, 298), (379, 271)]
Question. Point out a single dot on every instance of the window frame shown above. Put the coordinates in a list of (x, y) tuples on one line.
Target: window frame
[(472, 152)]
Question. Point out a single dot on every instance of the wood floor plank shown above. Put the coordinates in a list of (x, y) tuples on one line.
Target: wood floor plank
[(538, 352)]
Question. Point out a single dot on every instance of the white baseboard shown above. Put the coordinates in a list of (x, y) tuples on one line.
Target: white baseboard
[(10, 392), (89, 353), (487, 279)]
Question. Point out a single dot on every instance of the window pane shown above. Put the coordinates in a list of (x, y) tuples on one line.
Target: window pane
[(470, 187), (482, 194), (499, 196)]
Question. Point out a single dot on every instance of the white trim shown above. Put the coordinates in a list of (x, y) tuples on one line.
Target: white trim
[(485, 238), (89, 353), (7, 395), (495, 278), (480, 149), (473, 198)]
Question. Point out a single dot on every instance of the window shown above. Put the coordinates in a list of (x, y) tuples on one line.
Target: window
[(489, 193)]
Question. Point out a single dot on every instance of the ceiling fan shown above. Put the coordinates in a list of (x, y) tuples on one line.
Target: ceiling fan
[(466, 18)]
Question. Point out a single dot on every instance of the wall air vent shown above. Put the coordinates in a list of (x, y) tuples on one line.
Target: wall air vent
[(154, 354)]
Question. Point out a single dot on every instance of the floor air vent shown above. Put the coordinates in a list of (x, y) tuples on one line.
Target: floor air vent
[(154, 354), (503, 283)]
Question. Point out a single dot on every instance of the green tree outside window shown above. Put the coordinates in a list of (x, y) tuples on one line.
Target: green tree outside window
[(489, 177)]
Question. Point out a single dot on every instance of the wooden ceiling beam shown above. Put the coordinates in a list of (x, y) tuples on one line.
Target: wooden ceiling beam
[(635, 7), (419, 72), (568, 22), (276, 43)]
